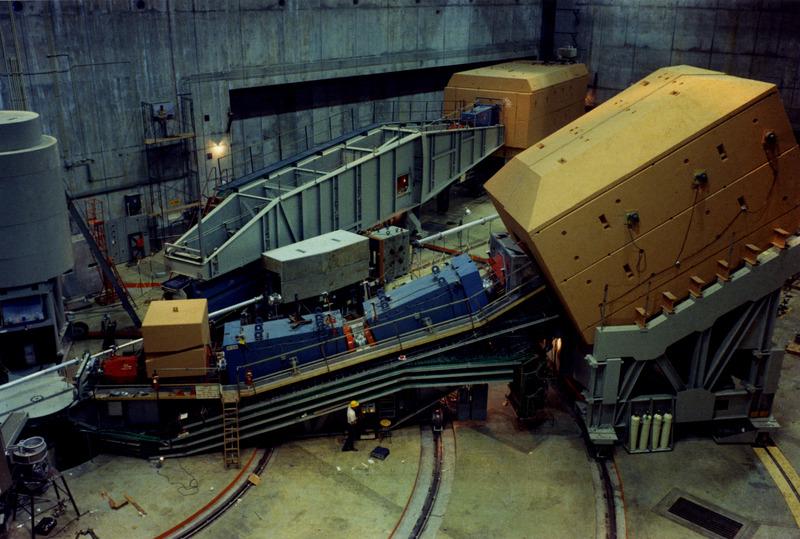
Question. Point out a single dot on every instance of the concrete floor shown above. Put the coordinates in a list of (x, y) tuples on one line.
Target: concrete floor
[(508, 479), (312, 489), (515, 482), (167, 494)]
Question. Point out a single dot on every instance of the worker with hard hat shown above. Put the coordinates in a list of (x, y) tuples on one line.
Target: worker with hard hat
[(352, 427)]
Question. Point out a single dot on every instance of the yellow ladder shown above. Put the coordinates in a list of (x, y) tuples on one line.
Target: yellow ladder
[(230, 428)]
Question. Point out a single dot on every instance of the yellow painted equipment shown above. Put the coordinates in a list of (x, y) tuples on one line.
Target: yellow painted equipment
[(536, 99), (176, 325), (657, 192)]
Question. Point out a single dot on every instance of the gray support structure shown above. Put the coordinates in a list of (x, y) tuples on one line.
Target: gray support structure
[(35, 247), (352, 185), (712, 360)]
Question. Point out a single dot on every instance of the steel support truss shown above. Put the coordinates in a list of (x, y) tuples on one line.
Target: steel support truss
[(351, 185), (711, 360)]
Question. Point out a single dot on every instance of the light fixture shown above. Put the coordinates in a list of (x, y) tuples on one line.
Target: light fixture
[(218, 149)]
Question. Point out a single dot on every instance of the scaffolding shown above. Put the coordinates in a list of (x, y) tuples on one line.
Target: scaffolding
[(95, 218), (171, 155), (93, 230)]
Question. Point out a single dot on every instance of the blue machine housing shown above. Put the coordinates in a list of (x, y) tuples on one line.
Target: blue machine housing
[(448, 292), (274, 343), (229, 289), (481, 116)]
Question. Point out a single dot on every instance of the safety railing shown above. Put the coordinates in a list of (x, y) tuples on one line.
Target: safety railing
[(284, 144), (67, 371), (174, 390), (398, 342)]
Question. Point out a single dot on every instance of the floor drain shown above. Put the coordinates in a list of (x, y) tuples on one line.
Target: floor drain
[(705, 518)]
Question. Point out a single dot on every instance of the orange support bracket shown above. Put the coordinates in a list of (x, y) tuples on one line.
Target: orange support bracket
[(641, 317), (668, 300), (696, 285), (723, 271), (780, 237), (751, 257)]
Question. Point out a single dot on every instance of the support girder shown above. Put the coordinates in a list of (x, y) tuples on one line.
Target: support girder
[(352, 185)]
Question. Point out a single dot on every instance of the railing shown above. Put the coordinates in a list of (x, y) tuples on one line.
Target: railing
[(234, 211), (132, 390), (396, 342), (253, 157), (62, 370)]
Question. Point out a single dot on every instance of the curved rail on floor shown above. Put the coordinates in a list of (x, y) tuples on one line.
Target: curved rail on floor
[(191, 526)]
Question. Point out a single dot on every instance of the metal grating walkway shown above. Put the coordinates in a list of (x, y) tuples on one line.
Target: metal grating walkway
[(707, 519)]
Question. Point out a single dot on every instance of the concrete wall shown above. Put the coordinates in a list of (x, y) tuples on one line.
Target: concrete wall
[(624, 40), (86, 66)]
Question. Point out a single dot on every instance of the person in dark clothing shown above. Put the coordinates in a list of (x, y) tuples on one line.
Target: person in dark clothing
[(108, 328), (352, 427)]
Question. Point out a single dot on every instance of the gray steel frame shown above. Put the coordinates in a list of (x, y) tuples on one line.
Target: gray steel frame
[(350, 186), (714, 355)]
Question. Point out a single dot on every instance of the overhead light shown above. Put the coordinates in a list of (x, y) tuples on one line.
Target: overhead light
[(218, 149)]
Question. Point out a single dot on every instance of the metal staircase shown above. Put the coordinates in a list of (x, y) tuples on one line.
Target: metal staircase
[(230, 428)]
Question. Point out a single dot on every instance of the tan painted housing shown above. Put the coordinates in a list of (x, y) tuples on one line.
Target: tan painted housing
[(567, 198), (175, 326), (536, 99)]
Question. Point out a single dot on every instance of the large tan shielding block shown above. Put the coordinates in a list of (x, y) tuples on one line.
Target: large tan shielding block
[(175, 325), (536, 99), (652, 188)]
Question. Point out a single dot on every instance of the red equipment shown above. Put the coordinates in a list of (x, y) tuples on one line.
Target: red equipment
[(120, 369)]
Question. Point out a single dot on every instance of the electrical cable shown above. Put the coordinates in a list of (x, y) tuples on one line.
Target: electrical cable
[(641, 260), (677, 260), (715, 238), (184, 489)]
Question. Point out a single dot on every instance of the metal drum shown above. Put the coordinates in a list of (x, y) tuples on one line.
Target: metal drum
[(30, 451), (31, 464)]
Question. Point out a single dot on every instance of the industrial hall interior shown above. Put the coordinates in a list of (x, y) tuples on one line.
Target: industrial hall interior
[(456, 269)]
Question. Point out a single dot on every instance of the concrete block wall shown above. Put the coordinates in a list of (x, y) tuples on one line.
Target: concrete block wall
[(624, 40), (86, 66)]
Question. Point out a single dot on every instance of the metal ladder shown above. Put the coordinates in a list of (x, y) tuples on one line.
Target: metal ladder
[(230, 428)]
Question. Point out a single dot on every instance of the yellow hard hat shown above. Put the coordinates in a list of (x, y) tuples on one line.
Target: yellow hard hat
[(353, 404)]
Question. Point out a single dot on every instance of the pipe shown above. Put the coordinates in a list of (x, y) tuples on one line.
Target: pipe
[(459, 228), (60, 366), (656, 430), (665, 431), (114, 349), (237, 306), (633, 441), (113, 189), (645, 436)]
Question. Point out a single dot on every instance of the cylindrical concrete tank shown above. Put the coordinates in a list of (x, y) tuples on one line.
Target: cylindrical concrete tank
[(34, 227)]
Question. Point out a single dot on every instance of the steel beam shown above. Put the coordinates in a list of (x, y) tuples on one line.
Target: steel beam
[(356, 184)]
